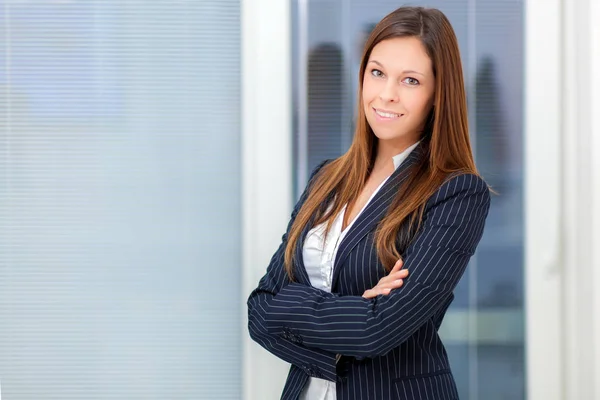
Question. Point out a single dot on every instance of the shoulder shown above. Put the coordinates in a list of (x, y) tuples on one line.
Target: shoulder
[(462, 185), (315, 172), (465, 182), (311, 180), (318, 168)]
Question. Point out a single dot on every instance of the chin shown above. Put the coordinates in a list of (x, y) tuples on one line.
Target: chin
[(395, 139), (388, 135)]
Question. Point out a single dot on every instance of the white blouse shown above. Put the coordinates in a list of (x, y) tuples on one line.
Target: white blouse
[(319, 257)]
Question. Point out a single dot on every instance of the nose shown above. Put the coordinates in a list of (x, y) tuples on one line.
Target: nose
[(389, 93)]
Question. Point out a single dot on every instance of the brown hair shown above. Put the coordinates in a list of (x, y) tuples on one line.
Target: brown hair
[(445, 144)]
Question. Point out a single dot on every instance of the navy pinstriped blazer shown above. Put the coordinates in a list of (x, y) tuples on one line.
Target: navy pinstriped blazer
[(389, 345)]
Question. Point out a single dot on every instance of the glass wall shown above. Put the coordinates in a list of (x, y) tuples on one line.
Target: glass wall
[(120, 199), (484, 328)]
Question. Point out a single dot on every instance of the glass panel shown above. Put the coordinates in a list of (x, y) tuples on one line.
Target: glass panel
[(484, 328), (114, 227)]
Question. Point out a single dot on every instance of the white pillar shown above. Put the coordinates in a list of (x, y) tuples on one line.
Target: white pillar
[(543, 269), (581, 194), (267, 168), (594, 49)]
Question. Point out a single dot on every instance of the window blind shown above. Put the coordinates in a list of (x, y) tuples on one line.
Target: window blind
[(120, 199)]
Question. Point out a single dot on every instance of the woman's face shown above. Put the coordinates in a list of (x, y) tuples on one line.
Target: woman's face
[(398, 90)]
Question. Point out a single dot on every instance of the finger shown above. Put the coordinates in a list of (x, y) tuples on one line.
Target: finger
[(371, 293), (403, 273), (391, 285), (384, 289), (368, 294), (397, 266), (396, 269)]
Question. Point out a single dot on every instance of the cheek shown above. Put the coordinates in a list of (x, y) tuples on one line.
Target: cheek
[(369, 91), (366, 97), (418, 104)]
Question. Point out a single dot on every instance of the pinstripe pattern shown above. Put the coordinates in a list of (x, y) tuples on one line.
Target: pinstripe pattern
[(390, 345)]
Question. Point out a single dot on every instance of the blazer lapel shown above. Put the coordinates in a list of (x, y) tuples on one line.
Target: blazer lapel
[(374, 211), (300, 269)]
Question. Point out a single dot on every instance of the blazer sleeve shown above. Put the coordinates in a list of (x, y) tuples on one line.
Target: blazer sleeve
[(453, 224), (315, 362)]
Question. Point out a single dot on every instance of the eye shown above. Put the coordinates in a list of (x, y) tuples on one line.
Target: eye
[(411, 81), (376, 73)]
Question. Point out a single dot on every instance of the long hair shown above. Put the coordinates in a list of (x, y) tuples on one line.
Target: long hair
[(445, 144)]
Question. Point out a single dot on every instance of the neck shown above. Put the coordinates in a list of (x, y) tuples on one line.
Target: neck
[(386, 150)]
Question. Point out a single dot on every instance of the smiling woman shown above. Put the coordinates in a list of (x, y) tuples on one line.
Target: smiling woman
[(355, 294)]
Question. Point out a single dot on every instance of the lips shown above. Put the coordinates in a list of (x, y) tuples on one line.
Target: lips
[(387, 114)]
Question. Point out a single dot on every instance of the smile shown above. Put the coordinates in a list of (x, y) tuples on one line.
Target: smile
[(387, 115)]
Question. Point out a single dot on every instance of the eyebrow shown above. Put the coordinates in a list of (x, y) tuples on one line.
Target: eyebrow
[(408, 71)]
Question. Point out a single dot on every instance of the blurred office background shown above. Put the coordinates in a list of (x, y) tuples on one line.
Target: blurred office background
[(151, 151)]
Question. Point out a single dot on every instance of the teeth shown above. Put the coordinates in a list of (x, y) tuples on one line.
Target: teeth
[(387, 115)]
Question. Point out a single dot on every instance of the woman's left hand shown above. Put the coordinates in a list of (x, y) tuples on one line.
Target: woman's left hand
[(393, 280)]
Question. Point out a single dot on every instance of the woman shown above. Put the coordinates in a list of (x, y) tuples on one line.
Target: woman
[(354, 296)]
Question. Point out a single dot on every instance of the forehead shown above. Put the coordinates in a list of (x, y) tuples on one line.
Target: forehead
[(405, 53)]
